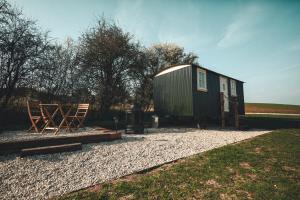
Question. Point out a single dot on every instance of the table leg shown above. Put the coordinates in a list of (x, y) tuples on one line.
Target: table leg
[(50, 119), (64, 120)]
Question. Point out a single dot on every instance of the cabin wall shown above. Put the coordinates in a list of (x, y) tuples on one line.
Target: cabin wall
[(173, 93), (240, 98), (240, 93), (206, 104)]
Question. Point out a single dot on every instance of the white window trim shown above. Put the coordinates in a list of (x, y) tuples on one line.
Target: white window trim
[(233, 92), (205, 80)]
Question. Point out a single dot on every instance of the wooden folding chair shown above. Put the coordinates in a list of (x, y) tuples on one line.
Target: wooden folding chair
[(48, 116), (34, 113), (79, 116)]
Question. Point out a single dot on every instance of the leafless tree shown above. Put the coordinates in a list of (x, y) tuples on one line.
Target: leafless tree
[(106, 55), (5, 9), (56, 72), (20, 42), (164, 55)]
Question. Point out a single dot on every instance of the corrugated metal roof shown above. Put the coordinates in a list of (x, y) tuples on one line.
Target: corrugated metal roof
[(177, 67), (171, 69)]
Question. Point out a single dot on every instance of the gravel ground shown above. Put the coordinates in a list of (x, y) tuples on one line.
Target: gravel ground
[(44, 176), (21, 135)]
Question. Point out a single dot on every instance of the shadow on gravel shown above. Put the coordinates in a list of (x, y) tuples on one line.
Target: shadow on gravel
[(181, 130), (56, 157), (9, 157)]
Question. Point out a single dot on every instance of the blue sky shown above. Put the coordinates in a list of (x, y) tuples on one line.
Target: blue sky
[(254, 41)]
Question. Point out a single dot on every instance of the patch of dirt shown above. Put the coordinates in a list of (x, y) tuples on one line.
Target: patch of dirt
[(295, 134), (272, 160), (252, 176), (94, 188), (183, 186), (213, 183), (238, 178), (267, 168), (245, 165), (227, 196), (130, 196), (288, 169), (164, 167), (198, 194), (129, 178), (231, 171), (248, 194), (258, 150)]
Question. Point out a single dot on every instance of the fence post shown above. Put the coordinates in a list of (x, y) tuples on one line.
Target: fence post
[(222, 110)]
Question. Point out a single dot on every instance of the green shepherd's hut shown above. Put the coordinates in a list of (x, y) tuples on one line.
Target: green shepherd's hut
[(192, 91)]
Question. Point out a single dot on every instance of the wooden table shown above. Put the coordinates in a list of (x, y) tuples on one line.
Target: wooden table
[(49, 116)]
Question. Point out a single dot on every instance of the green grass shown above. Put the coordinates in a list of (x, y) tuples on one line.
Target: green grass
[(271, 108), (266, 167)]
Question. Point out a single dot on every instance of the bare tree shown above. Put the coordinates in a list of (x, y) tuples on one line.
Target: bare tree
[(20, 43), (57, 71), (164, 55), (5, 9), (106, 54)]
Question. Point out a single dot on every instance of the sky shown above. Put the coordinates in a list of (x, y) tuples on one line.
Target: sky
[(257, 42)]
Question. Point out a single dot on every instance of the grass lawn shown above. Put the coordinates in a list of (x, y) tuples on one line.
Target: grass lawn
[(271, 108), (266, 167)]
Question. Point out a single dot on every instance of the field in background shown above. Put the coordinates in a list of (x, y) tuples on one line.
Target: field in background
[(271, 108)]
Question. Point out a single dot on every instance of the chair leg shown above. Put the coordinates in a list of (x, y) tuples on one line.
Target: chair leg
[(33, 126), (45, 126), (30, 128), (80, 122), (72, 122)]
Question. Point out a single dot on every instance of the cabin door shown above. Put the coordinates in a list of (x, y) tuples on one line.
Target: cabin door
[(224, 89)]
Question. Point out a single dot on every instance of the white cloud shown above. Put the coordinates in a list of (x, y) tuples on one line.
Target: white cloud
[(295, 46), (187, 28), (132, 16), (290, 68), (242, 28)]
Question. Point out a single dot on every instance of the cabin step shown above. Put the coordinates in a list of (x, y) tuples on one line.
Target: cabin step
[(50, 149)]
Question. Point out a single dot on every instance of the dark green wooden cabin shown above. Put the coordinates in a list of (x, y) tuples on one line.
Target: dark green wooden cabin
[(194, 91)]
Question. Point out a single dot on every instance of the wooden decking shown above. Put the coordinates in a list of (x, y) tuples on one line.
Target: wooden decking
[(50, 149), (97, 136)]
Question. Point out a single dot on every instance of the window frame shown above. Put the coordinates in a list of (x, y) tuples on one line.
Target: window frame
[(233, 92), (203, 89)]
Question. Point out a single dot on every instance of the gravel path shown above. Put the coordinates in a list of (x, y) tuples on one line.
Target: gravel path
[(44, 176), (21, 135)]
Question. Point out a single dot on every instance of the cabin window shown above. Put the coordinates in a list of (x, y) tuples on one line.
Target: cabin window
[(233, 88), (201, 80)]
